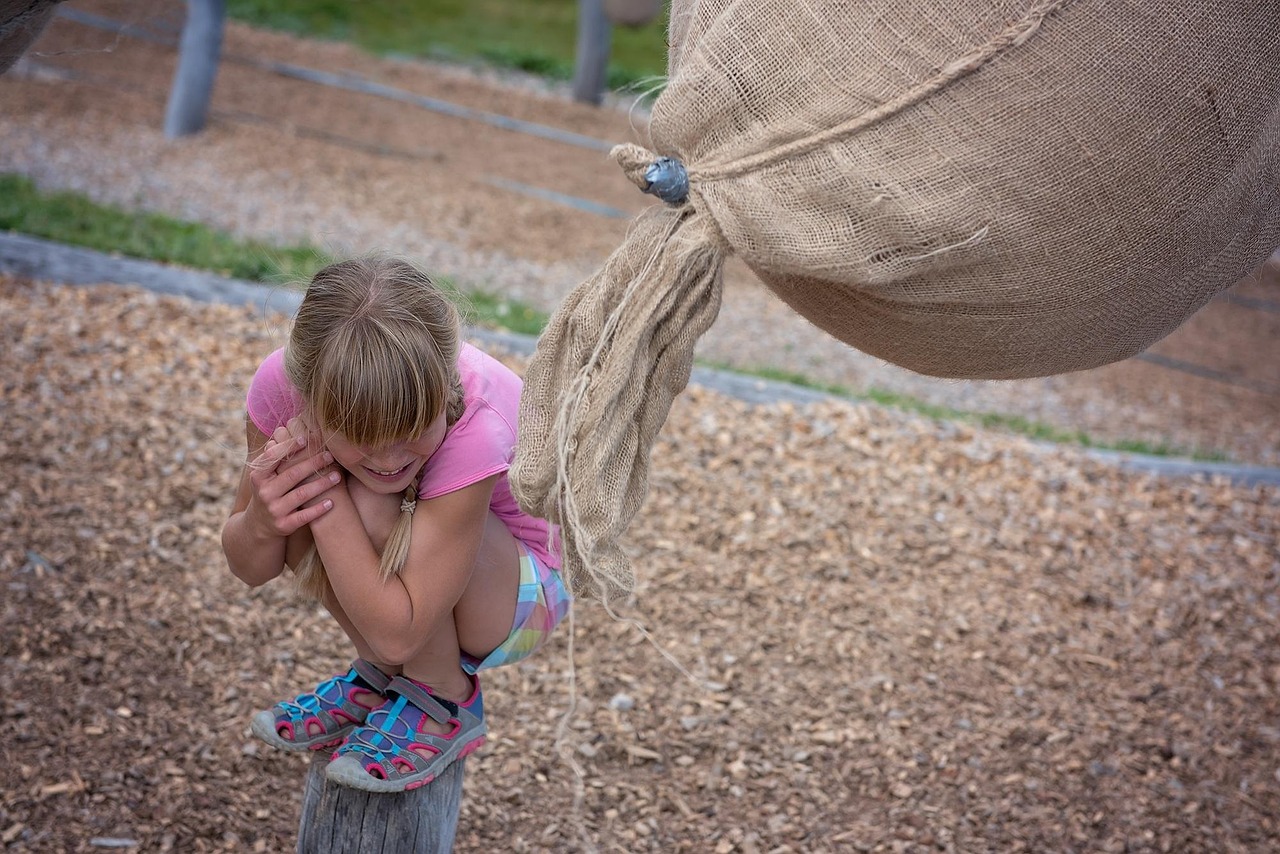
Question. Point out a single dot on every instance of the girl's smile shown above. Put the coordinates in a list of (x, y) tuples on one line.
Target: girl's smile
[(392, 476), (392, 468)]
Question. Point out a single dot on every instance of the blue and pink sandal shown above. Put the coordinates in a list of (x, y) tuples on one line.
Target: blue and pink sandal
[(392, 752), (327, 715)]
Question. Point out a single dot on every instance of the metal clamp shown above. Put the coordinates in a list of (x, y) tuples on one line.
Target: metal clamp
[(667, 179)]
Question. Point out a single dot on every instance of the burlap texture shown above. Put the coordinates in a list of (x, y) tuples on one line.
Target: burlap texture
[(975, 189), (624, 352)]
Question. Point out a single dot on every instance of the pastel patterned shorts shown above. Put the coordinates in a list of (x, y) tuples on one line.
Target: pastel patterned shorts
[(542, 603)]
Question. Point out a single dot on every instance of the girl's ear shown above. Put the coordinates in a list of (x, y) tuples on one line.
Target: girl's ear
[(314, 430)]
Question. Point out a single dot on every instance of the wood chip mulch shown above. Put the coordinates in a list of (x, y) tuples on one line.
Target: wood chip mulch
[(906, 635)]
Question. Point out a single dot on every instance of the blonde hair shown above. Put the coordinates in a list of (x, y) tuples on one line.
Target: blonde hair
[(374, 354)]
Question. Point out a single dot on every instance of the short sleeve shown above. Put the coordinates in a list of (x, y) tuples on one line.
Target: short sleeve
[(272, 400), (481, 444)]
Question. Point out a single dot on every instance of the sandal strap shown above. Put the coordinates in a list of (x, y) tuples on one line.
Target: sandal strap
[(370, 673), (317, 702), (440, 711), (311, 703)]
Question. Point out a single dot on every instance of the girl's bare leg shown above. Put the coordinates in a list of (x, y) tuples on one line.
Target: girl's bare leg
[(481, 620), (485, 612), (368, 698), (362, 647)]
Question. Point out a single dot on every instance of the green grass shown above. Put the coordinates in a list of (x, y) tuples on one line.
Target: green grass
[(538, 36), (989, 420), (485, 308), (73, 219)]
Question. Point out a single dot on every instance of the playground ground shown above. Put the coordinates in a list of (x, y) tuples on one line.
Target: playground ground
[(910, 634)]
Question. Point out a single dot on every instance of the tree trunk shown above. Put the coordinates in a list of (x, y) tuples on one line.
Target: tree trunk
[(340, 820), (198, 54)]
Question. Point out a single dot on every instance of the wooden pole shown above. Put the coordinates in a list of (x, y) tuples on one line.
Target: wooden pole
[(198, 53), (341, 820), (592, 61)]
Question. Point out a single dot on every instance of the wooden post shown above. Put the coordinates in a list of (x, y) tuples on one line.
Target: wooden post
[(341, 820), (592, 61), (198, 54)]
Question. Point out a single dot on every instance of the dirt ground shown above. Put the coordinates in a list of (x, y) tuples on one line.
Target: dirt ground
[(908, 635), (905, 634)]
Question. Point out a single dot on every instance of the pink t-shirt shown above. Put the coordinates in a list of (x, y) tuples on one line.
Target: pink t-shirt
[(480, 444)]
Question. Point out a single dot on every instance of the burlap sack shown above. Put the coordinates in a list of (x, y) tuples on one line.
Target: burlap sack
[(973, 188)]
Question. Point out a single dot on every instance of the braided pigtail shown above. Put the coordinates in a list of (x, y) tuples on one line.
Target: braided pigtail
[(456, 404), (396, 551), (309, 576)]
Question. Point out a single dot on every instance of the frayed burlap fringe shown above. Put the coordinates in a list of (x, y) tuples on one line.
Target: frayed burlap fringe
[(599, 388)]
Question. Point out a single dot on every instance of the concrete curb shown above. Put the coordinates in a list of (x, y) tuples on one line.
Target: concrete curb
[(71, 265), (46, 260)]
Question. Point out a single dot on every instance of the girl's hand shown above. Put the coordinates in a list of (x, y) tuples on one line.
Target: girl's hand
[(288, 482)]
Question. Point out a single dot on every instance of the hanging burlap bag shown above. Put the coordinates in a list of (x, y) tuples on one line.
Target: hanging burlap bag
[(974, 188)]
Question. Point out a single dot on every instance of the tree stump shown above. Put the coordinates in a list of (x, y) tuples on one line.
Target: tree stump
[(339, 820)]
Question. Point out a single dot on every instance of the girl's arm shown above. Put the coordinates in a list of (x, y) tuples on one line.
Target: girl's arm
[(268, 522), (396, 616)]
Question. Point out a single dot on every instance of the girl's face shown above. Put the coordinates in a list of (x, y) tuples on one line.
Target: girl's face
[(388, 470)]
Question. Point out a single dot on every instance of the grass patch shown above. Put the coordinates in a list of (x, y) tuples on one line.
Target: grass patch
[(484, 308), (989, 420), (73, 218), (537, 36)]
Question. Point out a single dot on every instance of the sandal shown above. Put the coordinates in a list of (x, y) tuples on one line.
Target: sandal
[(324, 717), (392, 753)]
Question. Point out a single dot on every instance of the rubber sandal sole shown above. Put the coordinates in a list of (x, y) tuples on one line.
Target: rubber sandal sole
[(349, 771), (263, 726)]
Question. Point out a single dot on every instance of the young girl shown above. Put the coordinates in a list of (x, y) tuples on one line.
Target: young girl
[(378, 451)]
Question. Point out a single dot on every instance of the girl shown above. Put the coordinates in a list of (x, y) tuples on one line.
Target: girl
[(378, 450)]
